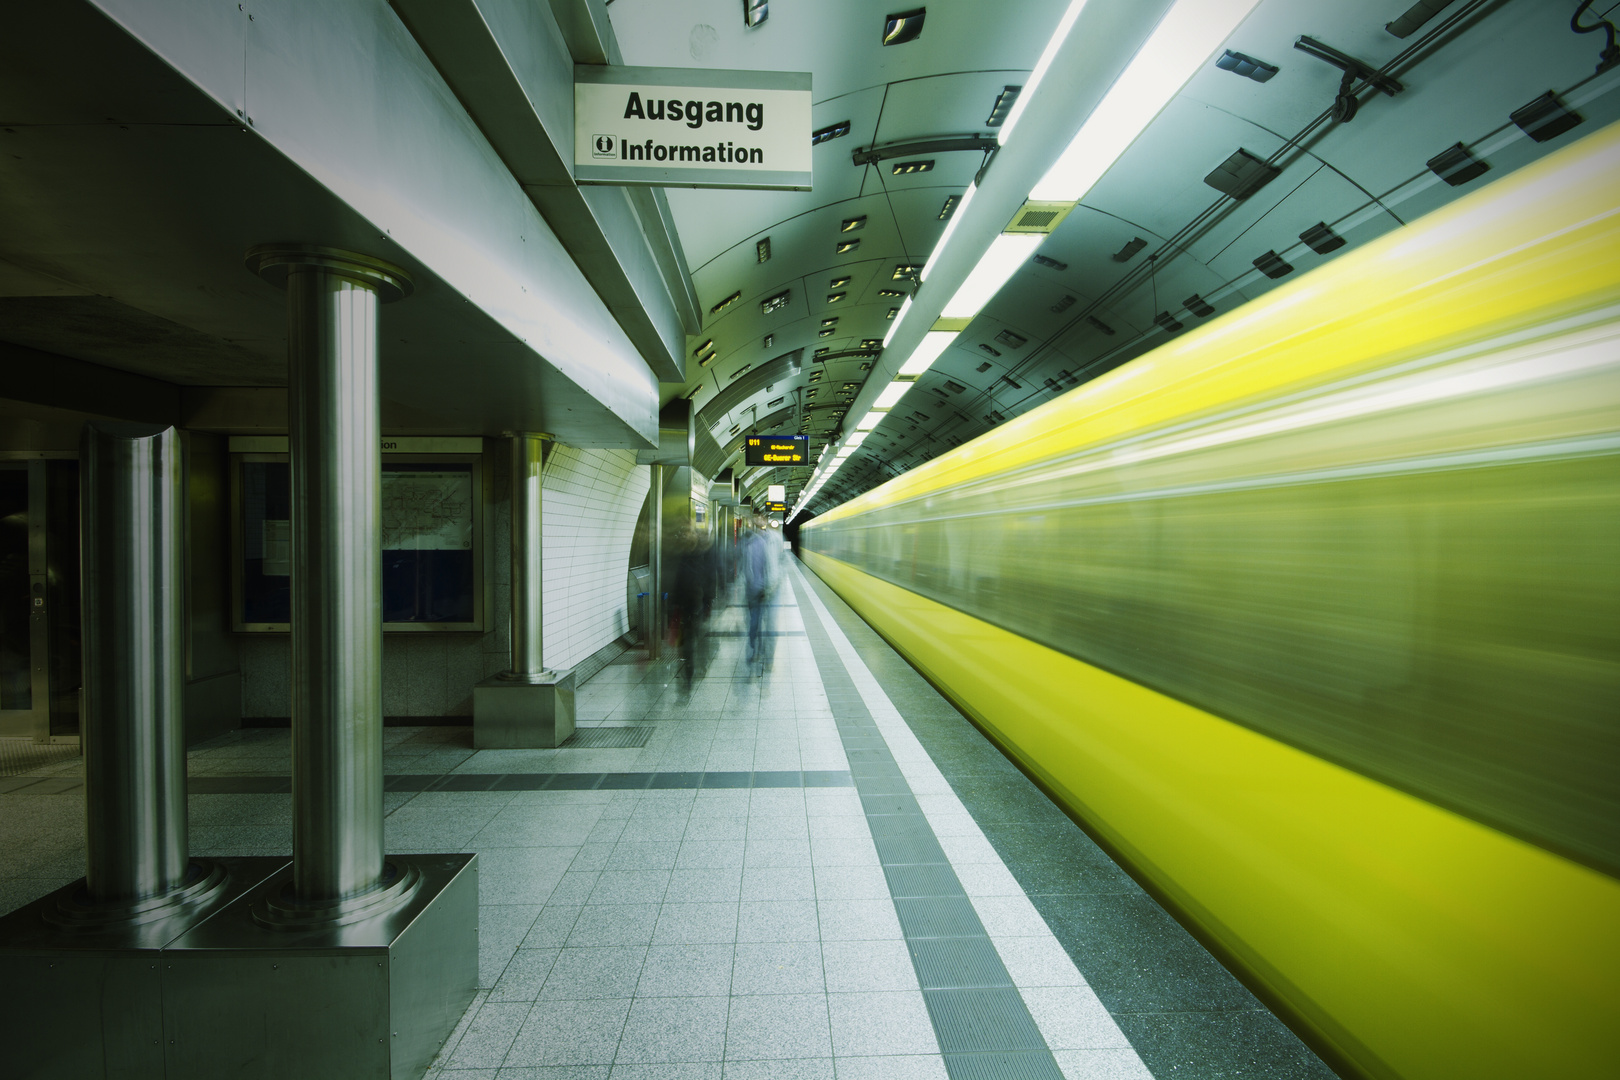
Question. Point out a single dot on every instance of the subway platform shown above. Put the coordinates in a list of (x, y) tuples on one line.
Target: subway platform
[(817, 871)]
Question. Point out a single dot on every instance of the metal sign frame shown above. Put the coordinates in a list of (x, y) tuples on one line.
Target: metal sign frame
[(605, 140)]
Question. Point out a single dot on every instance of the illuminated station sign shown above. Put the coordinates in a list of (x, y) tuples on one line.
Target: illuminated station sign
[(776, 450)]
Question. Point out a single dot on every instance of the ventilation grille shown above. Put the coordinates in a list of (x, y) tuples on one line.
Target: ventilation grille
[(1039, 218)]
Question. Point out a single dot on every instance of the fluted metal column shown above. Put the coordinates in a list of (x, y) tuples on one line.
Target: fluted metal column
[(336, 461), (655, 556), (528, 651), (131, 521)]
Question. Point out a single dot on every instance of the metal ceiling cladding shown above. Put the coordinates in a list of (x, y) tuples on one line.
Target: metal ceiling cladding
[(1494, 63)]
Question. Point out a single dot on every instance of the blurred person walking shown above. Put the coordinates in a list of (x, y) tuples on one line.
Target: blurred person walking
[(691, 597), (758, 559)]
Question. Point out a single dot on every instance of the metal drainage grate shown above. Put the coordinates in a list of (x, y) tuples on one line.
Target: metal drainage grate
[(18, 756), (600, 738)]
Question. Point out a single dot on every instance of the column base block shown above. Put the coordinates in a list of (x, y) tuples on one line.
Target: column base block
[(87, 1002), (228, 996), (533, 713)]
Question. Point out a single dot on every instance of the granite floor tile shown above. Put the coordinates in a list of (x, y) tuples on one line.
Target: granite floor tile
[(614, 925), (778, 967), (695, 924), (780, 920), (686, 971), (874, 1024), (866, 966), (594, 973), (674, 1029), (774, 1026), (570, 1033)]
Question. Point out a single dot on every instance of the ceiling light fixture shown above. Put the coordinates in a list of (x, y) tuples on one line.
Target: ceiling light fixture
[(762, 250), (852, 224), (1185, 37), (775, 303), (903, 26), (755, 12), (933, 344), (833, 298), (829, 133), (1005, 255), (906, 168), (891, 395), (838, 283), (846, 246), (905, 306), (1003, 106), (1545, 118), (727, 302), (1247, 66), (1321, 239)]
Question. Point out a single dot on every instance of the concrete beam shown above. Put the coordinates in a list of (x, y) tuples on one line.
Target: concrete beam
[(512, 69)]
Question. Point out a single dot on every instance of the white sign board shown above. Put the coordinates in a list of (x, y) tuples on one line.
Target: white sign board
[(691, 127), (775, 492)]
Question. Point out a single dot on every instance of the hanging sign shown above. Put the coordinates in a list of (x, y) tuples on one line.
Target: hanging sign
[(776, 450), (692, 127)]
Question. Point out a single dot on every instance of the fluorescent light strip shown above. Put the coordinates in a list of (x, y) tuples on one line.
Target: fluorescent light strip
[(945, 237), (1033, 83), (927, 351), (1190, 32), (891, 395), (905, 306), (1001, 260)]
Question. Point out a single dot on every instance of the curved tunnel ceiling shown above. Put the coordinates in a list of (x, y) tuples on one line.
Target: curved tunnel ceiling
[(1097, 298)]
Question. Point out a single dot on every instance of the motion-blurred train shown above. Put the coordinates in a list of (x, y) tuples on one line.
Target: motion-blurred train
[(1313, 616)]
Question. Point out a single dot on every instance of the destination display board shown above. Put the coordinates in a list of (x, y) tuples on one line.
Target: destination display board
[(776, 450), (776, 508), (692, 127)]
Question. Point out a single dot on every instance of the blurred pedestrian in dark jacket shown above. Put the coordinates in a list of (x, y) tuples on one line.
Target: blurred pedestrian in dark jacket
[(691, 599)]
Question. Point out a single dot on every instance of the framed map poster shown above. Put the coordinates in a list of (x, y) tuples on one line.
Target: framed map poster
[(432, 541)]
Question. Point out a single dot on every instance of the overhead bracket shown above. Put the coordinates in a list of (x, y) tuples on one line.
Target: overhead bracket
[(984, 144), (1345, 104)]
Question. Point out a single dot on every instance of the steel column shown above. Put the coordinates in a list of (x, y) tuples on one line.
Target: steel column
[(134, 675), (334, 443), (528, 645), (655, 557)]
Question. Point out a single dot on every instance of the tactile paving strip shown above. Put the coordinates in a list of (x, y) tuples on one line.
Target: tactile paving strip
[(984, 1029)]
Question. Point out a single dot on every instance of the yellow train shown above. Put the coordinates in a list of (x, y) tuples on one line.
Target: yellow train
[(1314, 614)]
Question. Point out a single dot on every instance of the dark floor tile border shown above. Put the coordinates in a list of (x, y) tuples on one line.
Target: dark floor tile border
[(1174, 1041), (620, 781), (982, 1024)]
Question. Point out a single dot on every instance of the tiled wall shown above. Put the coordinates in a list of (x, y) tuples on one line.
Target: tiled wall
[(591, 501)]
